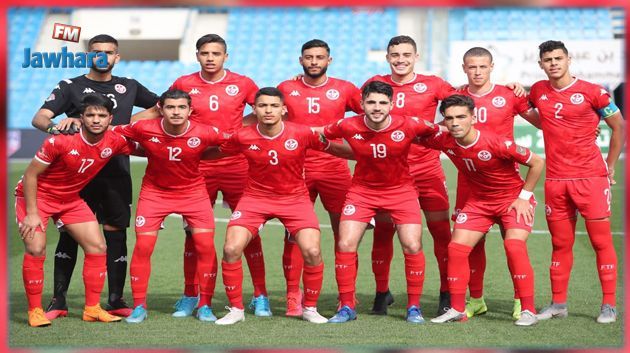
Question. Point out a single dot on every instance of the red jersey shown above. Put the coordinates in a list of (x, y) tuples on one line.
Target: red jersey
[(319, 106), (495, 109), (569, 121), (276, 164), (219, 104), (487, 164), (381, 155), (73, 163), (418, 98), (173, 159)]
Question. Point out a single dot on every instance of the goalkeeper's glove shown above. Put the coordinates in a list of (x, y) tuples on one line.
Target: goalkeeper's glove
[(51, 129)]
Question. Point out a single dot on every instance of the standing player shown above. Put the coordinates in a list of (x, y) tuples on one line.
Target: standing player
[(570, 110), (381, 183), (317, 100), (173, 146), (276, 151), (50, 188), (497, 195), (495, 108), (109, 194), (219, 97)]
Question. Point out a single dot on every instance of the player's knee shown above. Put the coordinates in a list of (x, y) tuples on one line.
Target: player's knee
[(346, 246), (312, 255), (231, 251), (36, 250), (412, 247)]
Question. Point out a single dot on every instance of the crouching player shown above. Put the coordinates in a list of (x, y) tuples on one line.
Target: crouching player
[(497, 195), (50, 188)]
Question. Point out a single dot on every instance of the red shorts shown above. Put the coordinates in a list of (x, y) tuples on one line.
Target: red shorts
[(431, 185), (252, 212), (154, 206), (331, 187), (463, 191), (480, 216), (229, 179), (75, 211), (400, 203), (590, 196)]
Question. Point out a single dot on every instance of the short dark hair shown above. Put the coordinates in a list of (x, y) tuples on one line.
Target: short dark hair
[(478, 51), (102, 38), (551, 45), (269, 91), (457, 100), (377, 87), (211, 38), (402, 40), (174, 94), (96, 100), (315, 43)]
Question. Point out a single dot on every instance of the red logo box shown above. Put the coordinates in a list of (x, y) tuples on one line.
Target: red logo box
[(66, 33)]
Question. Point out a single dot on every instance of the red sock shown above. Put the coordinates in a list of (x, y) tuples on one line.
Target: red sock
[(522, 271), (382, 253), (256, 263), (414, 273), (313, 278), (292, 264), (458, 274), (94, 274), (477, 263), (191, 284), (233, 282), (345, 273), (206, 266), (140, 268), (562, 239), (33, 277), (441, 233), (601, 239)]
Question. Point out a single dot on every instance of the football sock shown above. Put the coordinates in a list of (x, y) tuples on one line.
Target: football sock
[(345, 273), (522, 271), (33, 277), (256, 263), (414, 274), (601, 239), (562, 239), (477, 262), (382, 253), (116, 262), (140, 268), (458, 274), (441, 233), (65, 260), (94, 273), (206, 266), (233, 282), (313, 279), (292, 264), (191, 283)]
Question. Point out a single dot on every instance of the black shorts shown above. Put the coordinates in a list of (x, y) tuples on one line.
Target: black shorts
[(110, 199)]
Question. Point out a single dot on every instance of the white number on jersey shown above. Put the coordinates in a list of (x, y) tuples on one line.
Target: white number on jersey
[(379, 150), (213, 103), (112, 97), (469, 164), (608, 197), (313, 105), (400, 99), (482, 114), (274, 157), (558, 107), (85, 164), (173, 153)]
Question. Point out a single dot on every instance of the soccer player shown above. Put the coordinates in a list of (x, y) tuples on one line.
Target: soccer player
[(317, 99), (497, 194), (578, 178), (381, 183), (219, 97), (495, 108), (174, 146), (275, 151), (50, 188), (109, 193)]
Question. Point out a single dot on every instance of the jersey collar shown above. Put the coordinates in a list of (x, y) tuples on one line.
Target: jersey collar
[(182, 134), (575, 79), (480, 95), (472, 144), (213, 82), (311, 86), (415, 76), (270, 137), (383, 129), (86, 141)]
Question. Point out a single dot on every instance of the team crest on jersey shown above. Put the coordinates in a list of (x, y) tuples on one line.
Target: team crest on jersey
[(420, 87), (349, 210), (484, 155), (193, 142), (498, 101), (120, 88), (332, 94), (398, 136), (106, 152), (290, 144), (461, 218), (231, 90), (235, 215), (521, 150), (140, 221), (51, 97), (548, 210), (577, 98)]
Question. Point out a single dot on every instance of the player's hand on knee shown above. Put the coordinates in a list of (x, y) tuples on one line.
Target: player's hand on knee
[(29, 226), (523, 210)]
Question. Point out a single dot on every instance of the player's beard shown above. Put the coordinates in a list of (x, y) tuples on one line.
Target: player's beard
[(103, 70), (314, 76)]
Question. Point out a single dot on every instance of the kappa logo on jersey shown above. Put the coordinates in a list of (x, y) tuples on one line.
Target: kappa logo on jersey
[(193, 142), (290, 144), (358, 137), (498, 101), (547, 210), (106, 152), (332, 94), (349, 210), (140, 221), (236, 215), (88, 90), (155, 139), (51, 97), (577, 98), (398, 136), (120, 88), (294, 93), (429, 124), (231, 90), (461, 218), (543, 97), (194, 91), (602, 92), (51, 141), (508, 143), (254, 148), (484, 155), (74, 152), (420, 87), (450, 151)]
